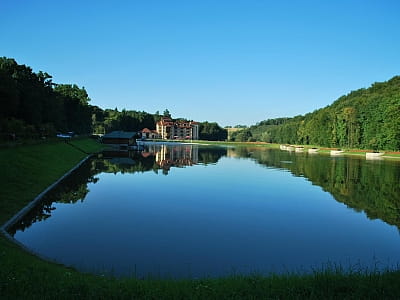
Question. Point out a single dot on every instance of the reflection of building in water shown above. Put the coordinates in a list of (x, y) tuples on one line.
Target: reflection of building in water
[(150, 150), (177, 129), (178, 156), (119, 157), (231, 152), (162, 155)]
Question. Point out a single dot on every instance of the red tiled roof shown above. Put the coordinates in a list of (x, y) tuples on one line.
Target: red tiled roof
[(179, 123)]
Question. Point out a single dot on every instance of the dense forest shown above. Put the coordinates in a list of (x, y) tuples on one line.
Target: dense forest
[(33, 106), (365, 118)]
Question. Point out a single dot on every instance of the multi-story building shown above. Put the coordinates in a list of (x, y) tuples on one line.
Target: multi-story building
[(169, 129)]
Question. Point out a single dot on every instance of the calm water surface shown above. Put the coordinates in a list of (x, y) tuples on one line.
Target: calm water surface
[(196, 211)]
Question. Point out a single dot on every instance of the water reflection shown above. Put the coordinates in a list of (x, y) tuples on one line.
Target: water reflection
[(155, 157), (72, 189), (220, 206), (369, 186)]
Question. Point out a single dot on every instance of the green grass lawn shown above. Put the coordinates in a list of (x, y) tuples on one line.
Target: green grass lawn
[(29, 169)]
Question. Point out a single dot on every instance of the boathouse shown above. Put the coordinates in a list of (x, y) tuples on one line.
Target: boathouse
[(120, 138)]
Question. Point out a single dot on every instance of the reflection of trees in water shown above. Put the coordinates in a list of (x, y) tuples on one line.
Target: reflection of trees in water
[(211, 155), (372, 187), (71, 189), (369, 186), (132, 164), (74, 188)]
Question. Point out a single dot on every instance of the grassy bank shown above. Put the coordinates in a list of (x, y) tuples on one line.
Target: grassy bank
[(29, 169), (33, 167)]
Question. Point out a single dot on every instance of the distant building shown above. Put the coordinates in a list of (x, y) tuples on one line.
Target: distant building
[(149, 134), (120, 138), (169, 129)]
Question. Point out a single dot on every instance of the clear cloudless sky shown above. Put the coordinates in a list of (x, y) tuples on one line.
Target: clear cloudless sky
[(228, 61)]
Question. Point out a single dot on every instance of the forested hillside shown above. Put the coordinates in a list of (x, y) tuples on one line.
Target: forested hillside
[(365, 118), (33, 106)]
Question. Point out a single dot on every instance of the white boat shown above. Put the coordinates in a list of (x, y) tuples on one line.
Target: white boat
[(336, 152), (374, 155)]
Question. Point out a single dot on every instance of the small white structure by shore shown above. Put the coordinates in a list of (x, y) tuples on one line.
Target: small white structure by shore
[(336, 152), (313, 150), (290, 148), (374, 155), (286, 147)]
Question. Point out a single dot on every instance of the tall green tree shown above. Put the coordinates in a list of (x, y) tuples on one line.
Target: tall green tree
[(211, 131), (75, 100), (166, 113)]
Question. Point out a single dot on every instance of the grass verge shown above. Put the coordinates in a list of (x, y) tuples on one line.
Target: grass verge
[(29, 169)]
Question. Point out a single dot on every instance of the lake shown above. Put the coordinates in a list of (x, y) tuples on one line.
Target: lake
[(191, 211)]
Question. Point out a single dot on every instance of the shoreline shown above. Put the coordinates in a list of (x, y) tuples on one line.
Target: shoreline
[(389, 154)]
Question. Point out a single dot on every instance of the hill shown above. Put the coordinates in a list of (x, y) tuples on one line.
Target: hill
[(365, 118)]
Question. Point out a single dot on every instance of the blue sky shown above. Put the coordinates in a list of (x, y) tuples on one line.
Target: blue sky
[(232, 62)]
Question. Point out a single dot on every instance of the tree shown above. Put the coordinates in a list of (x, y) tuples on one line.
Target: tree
[(78, 113), (73, 92), (243, 135), (211, 131), (166, 113)]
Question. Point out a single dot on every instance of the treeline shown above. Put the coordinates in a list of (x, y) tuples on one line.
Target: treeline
[(108, 120), (33, 106), (211, 131), (365, 118)]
